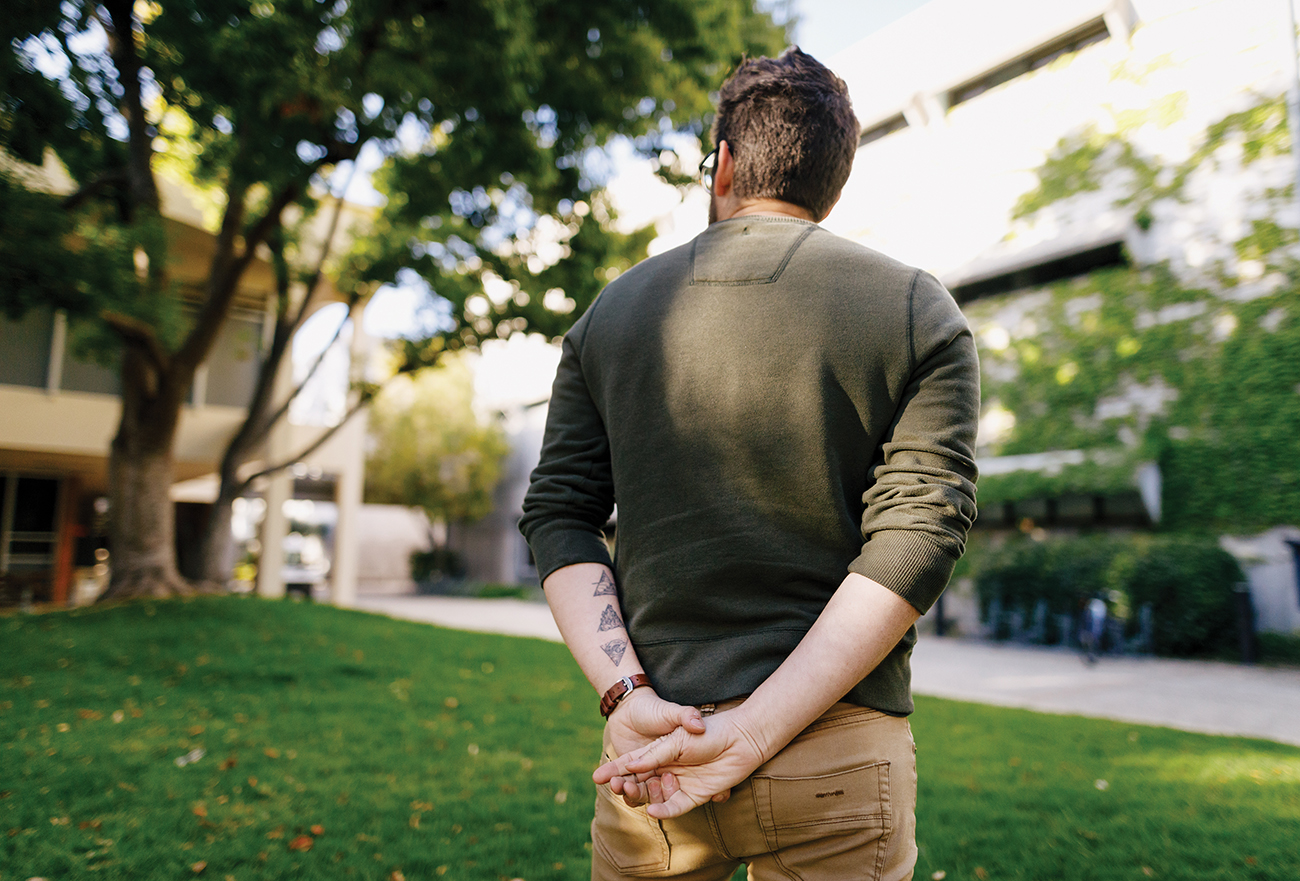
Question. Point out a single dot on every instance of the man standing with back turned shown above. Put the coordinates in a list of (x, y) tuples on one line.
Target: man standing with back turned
[(787, 422)]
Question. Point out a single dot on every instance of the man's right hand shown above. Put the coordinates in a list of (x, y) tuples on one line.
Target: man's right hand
[(640, 719), (690, 768)]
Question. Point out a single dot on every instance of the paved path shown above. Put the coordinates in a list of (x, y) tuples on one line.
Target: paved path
[(1201, 696)]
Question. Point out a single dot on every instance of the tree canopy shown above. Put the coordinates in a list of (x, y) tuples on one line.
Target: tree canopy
[(427, 447), (484, 112)]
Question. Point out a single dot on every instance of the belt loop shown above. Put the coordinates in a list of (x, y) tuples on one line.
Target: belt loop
[(707, 709)]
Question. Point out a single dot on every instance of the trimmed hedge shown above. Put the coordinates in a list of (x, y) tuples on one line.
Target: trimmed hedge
[(1188, 581)]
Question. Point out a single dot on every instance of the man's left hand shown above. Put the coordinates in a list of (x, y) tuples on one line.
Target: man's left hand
[(641, 718), (691, 768)]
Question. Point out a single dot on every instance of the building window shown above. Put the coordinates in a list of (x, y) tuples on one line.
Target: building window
[(1093, 32), (878, 131), (1043, 273)]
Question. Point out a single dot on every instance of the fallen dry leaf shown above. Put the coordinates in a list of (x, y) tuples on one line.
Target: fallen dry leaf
[(414, 822), (302, 842), (194, 730), (228, 763), (1148, 871), (980, 873), (127, 786), (63, 727), (396, 875), (418, 805), (90, 714), (277, 832), (118, 717), (200, 810), (59, 821), (271, 752), (317, 829), (197, 868), (939, 875)]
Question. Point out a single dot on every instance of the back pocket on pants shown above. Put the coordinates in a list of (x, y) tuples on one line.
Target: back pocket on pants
[(845, 813)]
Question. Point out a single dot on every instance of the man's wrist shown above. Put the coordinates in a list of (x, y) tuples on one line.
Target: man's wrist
[(620, 690)]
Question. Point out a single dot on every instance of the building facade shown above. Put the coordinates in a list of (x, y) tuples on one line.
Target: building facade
[(60, 407), (1108, 188)]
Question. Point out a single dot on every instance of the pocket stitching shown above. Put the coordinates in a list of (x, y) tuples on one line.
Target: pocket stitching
[(883, 817)]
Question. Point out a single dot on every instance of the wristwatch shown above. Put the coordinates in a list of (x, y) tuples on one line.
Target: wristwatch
[(620, 690)]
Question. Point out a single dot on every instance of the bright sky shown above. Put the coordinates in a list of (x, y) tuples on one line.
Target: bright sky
[(824, 28), (829, 26)]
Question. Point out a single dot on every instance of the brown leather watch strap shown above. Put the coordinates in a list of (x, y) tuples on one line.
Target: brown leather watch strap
[(620, 690)]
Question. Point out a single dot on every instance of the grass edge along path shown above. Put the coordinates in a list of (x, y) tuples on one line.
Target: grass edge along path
[(248, 739)]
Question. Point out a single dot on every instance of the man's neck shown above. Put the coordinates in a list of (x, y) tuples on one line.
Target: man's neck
[(763, 208)]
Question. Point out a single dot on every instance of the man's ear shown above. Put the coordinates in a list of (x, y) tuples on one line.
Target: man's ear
[(724, 170)]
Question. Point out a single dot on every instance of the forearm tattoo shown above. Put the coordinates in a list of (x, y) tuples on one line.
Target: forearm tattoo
[(605, 586), (609, 620), (615, 650)]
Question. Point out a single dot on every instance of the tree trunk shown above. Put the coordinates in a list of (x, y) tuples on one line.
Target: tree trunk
[(142, 526), (217, 547), (142, 520)]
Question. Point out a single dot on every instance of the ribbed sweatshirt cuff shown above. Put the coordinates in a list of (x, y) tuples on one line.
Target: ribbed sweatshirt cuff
[(909, 563), (564, 545)]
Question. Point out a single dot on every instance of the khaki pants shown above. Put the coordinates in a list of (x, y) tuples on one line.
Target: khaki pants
[(837, 803)]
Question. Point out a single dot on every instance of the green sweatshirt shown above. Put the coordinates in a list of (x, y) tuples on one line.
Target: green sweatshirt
[(771, 407)]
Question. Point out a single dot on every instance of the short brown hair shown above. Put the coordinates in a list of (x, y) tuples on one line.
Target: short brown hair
[(791, 130)]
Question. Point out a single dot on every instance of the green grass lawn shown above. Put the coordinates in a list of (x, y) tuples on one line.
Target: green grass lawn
[(341, 745)]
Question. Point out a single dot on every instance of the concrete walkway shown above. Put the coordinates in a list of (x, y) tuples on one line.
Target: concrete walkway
[(1209, 697)]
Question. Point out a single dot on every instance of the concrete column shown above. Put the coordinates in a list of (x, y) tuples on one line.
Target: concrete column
[(58, 346), (351, 479), (278, 490)]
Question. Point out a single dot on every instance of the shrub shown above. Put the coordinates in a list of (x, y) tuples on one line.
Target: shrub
[(435, 565), (1187, 581), (1061, 572), (1280, 648)]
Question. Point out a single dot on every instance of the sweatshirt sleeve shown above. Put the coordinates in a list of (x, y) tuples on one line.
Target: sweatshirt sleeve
[(571, 493), (921, 499)]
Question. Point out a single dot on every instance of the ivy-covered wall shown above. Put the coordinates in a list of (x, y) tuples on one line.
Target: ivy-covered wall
[(1194, 367)]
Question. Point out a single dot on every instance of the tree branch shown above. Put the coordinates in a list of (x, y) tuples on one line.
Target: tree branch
[(138, 333), (113, 176), (269, 422), (144, 189), (258, 426), (326, 247), (309, 449), (224, 281)]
